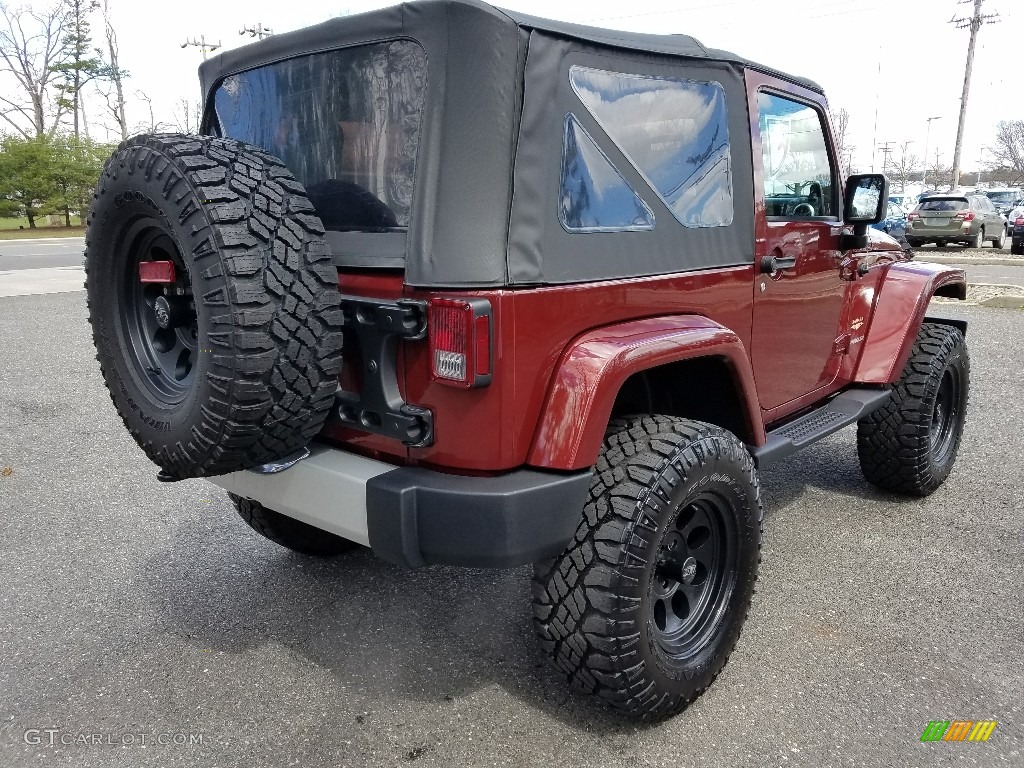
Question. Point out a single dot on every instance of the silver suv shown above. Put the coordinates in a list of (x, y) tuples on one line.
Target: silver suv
[(967, 219)]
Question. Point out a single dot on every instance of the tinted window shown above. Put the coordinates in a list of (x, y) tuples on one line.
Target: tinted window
[(675, 132), (1002, 197), (345, 122), (799, 180), (594, 196), (944, 204)]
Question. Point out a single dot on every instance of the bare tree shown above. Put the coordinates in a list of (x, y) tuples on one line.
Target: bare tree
[(938, 170), (32, 48), (115, 76), (1008, 152), (904, 165), (154, 125), (840, 130), (187, 116)]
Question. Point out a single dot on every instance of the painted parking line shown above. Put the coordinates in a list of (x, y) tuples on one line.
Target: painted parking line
[(28, 282)]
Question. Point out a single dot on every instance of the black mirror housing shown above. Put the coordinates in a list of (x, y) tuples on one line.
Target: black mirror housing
[(867, 195), (865, 202)]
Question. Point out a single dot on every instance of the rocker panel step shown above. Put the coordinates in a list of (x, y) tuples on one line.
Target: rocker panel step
[(841, 411)]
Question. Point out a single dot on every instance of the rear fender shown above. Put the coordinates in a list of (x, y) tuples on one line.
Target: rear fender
[(900, 306), (594, 367)]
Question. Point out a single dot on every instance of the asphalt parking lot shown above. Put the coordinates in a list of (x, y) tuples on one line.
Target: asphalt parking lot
[(136, 609)]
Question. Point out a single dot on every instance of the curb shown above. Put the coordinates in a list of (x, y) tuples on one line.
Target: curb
[(1004, 302), (967, 261), (42, 239)]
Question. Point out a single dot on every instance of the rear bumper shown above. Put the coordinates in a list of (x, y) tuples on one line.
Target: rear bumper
[(413, 517)]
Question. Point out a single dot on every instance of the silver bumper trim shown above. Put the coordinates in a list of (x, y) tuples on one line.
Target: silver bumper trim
[(326, 490)]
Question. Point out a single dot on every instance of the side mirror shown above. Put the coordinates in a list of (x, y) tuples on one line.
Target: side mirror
[(867, 195)]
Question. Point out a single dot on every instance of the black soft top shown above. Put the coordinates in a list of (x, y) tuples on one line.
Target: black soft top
[(409, 19), (484, 204)]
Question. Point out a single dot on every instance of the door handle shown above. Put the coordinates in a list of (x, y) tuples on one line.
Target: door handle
[(770, 264)]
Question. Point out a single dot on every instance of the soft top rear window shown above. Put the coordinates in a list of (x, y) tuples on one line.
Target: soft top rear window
[(944, 204), (345, 122)]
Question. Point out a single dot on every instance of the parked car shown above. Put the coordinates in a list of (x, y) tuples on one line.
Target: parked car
[(967, 219), (1012, 215), (895, 221), (530, 314), (1017, 231), (1004, 199)]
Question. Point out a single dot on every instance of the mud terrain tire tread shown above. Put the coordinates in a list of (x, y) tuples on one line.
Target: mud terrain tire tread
[(266, 298), (587, 611), (893, 442)]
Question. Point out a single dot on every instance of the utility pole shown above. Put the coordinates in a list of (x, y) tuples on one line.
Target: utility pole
[(259, 31), (886, 150), (974, 23), (927, 136), (202, 45)]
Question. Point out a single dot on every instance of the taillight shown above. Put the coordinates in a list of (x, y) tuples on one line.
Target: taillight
[(965, 216), (460, 342), (1019, 221), (913, 216)]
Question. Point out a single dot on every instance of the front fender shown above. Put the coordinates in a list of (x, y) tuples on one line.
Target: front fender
[(900, 306), (594, 367)]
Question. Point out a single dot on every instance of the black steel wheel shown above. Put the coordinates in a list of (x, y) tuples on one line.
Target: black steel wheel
[(694, 575), (647, 602), (159, 320), (909, 445)]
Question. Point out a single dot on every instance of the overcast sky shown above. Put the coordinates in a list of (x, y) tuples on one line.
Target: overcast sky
[(838, 43)]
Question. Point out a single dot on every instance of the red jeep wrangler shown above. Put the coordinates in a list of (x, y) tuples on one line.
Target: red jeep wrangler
[(475, 288)]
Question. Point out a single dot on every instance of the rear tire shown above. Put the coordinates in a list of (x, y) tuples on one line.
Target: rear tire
[(915, 242), (647, 602), (909, 445), (978, 239), (999, 240), (289, 532), (235, 364), (1017, 249)]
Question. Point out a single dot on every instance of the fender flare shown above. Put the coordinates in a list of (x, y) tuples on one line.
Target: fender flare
[(594, 366), (901, 302)]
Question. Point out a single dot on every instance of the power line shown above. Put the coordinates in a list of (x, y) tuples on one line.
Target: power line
[(201, 43), (974, 23), (259, 31)]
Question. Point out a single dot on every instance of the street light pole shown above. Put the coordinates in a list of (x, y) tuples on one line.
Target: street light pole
[(927, 136)]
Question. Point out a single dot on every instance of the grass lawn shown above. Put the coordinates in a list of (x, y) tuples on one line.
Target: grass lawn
[(9, 230)]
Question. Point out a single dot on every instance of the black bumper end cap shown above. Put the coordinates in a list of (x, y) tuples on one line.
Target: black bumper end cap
[(417, 517)]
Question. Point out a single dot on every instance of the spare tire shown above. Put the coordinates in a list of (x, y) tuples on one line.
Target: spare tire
[(213, 301)]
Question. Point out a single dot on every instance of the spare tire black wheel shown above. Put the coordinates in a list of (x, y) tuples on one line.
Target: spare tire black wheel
[(213, 302)]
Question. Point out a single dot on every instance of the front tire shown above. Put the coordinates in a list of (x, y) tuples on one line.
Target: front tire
[(647, 602), (909, 445)]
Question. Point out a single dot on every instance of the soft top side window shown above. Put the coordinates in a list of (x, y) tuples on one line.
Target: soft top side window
[(674, 131), (594, 196)]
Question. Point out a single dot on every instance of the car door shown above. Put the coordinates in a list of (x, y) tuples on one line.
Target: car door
[(994, 219), (799, 292)]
